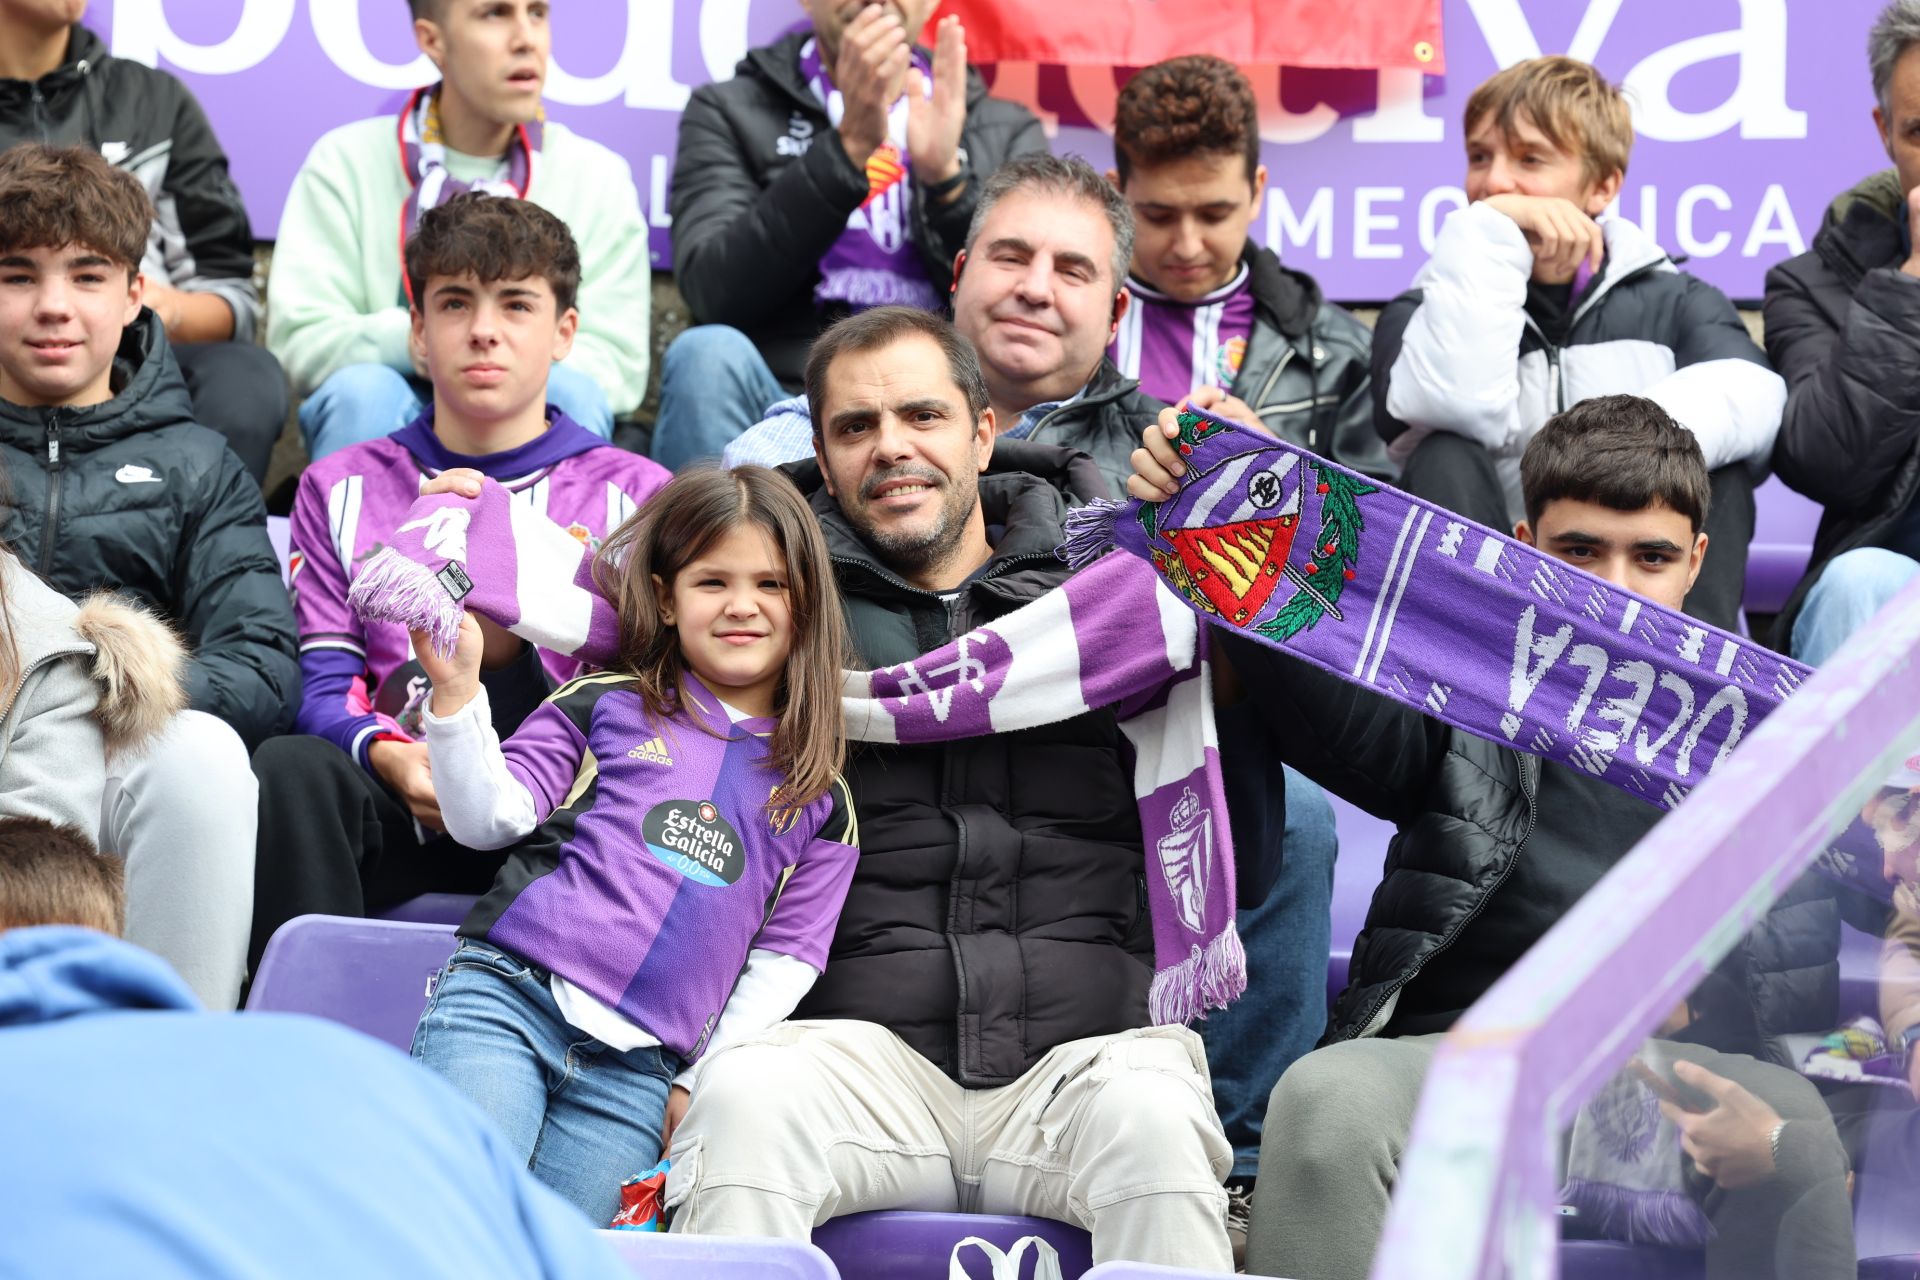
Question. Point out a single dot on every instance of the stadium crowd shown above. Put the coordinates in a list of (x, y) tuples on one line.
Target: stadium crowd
[(877, 975)]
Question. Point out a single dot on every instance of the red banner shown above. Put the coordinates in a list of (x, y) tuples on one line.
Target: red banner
[(1135, 33)]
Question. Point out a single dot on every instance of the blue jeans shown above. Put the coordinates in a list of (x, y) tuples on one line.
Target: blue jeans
[(1283, 1014), (371, 401), (585, 1117), (713, 386), (1852, 588)]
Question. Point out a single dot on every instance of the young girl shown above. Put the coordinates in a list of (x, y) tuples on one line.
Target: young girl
[(685, 840)]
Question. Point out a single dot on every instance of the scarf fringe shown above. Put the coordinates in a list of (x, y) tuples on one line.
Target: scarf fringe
[(1668, 1218), (393, 588), (1089, 532), (1209, 978)]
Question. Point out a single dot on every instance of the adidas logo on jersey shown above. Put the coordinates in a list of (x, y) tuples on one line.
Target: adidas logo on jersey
[(654, 751)]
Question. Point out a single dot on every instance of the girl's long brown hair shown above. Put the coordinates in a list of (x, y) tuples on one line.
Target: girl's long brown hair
[(697, 508)]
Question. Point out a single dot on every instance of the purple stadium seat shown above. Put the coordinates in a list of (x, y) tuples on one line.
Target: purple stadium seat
[(1609, 1260), (1356, 874), (1783, 528), (661, 1256), (280, 534), (1904, 1267), (1142, 1271), (432, 908), (372, 975), (899, 1245)]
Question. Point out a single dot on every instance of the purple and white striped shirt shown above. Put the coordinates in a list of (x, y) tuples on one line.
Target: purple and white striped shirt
[(1174, 348)]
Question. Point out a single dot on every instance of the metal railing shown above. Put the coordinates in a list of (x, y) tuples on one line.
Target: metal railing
[(1477, 1192)]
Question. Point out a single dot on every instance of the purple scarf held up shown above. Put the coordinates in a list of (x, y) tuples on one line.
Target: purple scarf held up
[(1443, 615), (498, 557)]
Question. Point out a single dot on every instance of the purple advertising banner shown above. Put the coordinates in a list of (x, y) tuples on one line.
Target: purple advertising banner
[(1751, 114)]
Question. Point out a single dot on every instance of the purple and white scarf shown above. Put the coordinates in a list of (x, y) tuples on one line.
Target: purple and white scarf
[(500, 558), (1101, 640), (423, 155), (1441, 614), (875, 262)]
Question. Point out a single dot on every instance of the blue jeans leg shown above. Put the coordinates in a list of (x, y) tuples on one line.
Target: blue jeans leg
[(580, 398), (1283, 1013), (713, 386), (358, 403), (1852, 588), (584, 1116)]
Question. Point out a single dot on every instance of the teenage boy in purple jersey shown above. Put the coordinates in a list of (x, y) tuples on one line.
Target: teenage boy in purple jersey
[(495, 281), (1215, 315)]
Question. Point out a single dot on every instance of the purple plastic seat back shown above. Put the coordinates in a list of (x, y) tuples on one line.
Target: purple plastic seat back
[(1611, 1260), (665, 1256), (280, 535), (372, 975), (901, 1245), (432, 908), (1356, 874), (1579, 1260), (1783, 528), (1905, 1266)]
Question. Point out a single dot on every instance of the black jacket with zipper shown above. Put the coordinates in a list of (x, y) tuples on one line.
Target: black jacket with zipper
[(1466, 809), (999, 905), (1306, 371), (149, 124), (762, 189), (134, 496), (1843, 328)]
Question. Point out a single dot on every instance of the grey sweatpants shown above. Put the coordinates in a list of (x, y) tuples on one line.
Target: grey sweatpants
[(1339, 1119)]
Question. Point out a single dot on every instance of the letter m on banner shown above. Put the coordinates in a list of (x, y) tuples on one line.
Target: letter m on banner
[(1134, 33)]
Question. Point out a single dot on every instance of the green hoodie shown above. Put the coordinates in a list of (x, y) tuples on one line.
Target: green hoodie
[(336, 294)]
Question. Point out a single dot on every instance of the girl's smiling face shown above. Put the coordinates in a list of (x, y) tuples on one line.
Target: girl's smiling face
[(731, 607)]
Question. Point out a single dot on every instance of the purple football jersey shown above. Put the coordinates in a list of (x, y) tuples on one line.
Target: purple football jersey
[(1174, 348), (658, 863)]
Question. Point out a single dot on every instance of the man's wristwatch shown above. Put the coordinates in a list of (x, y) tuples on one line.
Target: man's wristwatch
[(1773, 1142), (941, 190)]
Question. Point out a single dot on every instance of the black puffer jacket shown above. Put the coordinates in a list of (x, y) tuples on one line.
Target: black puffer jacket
[(1465, 809), (134, 496), (999, 906), (1105, 423), (762, 188), (1307, 371), (1843, 328)]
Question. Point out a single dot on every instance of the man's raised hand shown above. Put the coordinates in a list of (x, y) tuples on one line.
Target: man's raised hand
[(870, 72), (935, 119)]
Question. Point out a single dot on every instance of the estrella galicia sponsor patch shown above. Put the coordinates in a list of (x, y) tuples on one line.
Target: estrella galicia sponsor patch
[(691, 837)]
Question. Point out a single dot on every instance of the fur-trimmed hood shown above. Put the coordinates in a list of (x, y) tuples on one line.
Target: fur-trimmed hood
[(137, 660)]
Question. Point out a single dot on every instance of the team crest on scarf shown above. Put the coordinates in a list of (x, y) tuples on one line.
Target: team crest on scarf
[(1231, 533), (1186, 858)]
